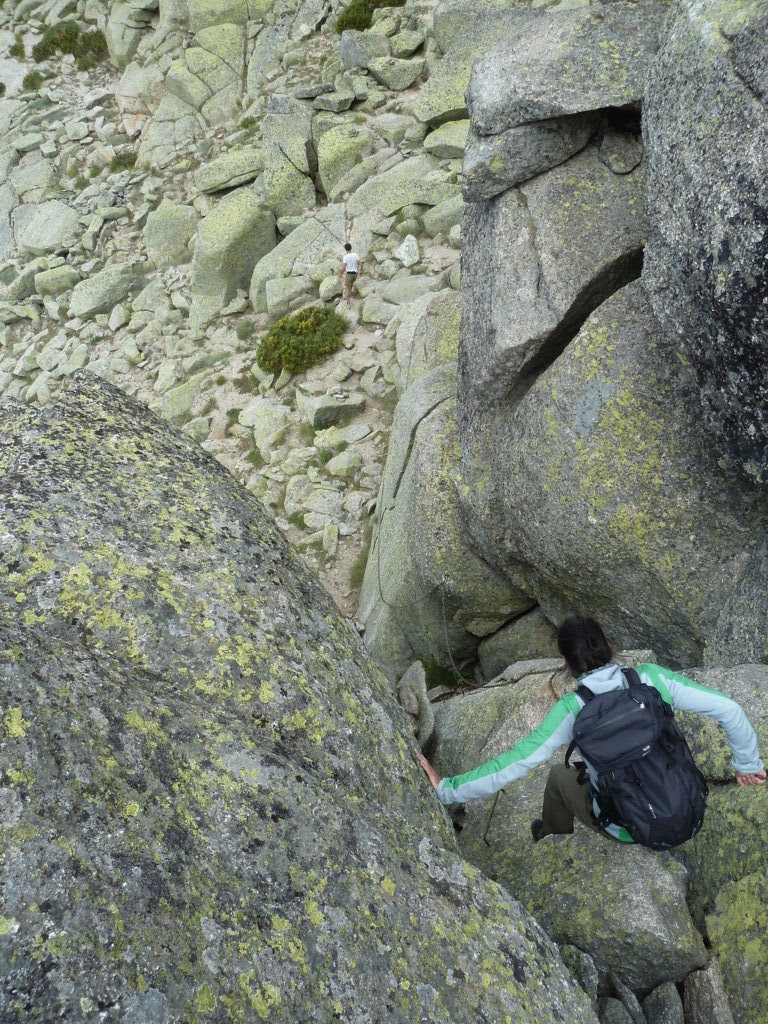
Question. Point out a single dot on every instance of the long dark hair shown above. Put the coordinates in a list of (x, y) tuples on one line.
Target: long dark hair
[(583, 644)]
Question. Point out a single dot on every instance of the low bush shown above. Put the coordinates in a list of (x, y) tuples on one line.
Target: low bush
[(32, 81), (299, 341), (359, 14), (67, 37), (245, 330), (17, 48), (122, 161), (2, 88)]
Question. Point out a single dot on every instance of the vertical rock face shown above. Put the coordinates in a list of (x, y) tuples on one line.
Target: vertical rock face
[(706, 132), (208, 813)]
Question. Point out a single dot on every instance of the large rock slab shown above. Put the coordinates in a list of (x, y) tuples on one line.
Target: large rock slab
[(45, 227), (230, 241), (168, 233), (210, 810), (495, 163), (706, 127), (102, 292), (287, 131), (127, 22), (424, 589), (418, 179), (536, 261), (603, 483), (565, 62), (310, 244)]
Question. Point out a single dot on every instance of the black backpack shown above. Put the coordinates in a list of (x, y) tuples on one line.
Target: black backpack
[(647, 780)]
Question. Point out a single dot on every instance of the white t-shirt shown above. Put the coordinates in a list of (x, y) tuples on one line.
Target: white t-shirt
[(351, 262)]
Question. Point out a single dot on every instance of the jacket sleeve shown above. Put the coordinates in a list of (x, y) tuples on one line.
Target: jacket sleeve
[(555, 731), (685, 695)]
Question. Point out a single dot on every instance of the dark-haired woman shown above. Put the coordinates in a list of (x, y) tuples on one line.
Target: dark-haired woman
[(589, 656)]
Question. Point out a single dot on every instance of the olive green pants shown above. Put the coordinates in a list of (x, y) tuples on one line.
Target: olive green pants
[(565, 798)]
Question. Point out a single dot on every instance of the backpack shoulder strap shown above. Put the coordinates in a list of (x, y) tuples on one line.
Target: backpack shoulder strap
[(632, 676), (586, 695)]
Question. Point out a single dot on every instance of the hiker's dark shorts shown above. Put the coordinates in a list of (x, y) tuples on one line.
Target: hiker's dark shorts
[(351, 275)]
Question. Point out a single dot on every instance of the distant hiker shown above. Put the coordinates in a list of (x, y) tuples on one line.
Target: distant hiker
[(352, 265), (604, 797)]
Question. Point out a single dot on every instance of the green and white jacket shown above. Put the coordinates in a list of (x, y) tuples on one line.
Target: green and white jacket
[(557, 731)]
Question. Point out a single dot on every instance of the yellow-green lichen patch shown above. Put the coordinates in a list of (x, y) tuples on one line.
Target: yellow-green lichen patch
[(14, 724)]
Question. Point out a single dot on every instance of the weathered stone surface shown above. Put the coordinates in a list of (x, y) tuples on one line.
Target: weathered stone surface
[(55, 281), (307, 246), (530, 636), (536, 260), (423, 587), (664, 1005), (442, 97), (737, 931), (230, 241), (497, 162), (394, 73), (286, 132), (416, 180), (448, 141), (338, 151), (451, 18), (284, 293), (428, 335), (237, 167), (358, 49), (199, 760), (45, 227), (127, 22), (98, 294), (603, 454), (704, 997), (565, 62), (168, 233), (706, 129)]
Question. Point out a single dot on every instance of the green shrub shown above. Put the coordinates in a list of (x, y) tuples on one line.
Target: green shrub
[(2, 88), (233, 415), (95, 171), (67, 37), (32, 81), (297, 519), (359, 14), (249, 123), (297, 342), (245, 330), (122, 161), (17, 49)]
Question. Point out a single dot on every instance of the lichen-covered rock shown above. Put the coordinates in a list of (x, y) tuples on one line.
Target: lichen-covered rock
[(101, 292), (737, 930), (497, 162), (535, 261), (706, 130), (45, 227), (416, 180), (602, 483), (530, 636), (563, 62), (424, 590), (209, 808), (236, 167), (127, 22), (704, 997), (168, 233), (230, 241), (427, 335), (308, 246)]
